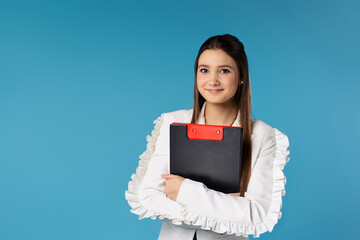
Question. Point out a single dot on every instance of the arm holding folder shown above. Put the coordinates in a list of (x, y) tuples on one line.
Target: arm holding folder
[(196, 205), (256, 212)]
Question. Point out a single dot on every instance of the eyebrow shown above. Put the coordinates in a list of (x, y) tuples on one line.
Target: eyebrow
[(203, 65)]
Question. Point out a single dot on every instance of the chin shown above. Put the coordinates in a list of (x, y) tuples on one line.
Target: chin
[(215, 101)]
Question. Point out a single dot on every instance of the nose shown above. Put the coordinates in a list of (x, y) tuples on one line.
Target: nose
[(213, 80)]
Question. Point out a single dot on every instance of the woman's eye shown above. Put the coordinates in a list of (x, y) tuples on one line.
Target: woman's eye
[(226, 70), (201, 70)]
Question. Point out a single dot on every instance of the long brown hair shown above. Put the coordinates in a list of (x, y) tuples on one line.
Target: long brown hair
[(235, 49)]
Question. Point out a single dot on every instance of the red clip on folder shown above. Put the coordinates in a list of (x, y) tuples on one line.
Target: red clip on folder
[(210, 154)]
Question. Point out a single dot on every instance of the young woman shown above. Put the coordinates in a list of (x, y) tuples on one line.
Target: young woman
[(190, 210)]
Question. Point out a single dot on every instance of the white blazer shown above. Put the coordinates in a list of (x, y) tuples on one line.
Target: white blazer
[(212, 214)]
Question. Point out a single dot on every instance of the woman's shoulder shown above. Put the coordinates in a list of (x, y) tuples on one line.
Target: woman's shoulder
[(259, 127), (263, 129), (266, 133)]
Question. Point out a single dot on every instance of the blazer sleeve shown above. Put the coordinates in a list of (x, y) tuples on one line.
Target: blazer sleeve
[(145, 192), (255, 213)]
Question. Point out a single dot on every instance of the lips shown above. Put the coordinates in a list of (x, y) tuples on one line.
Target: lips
[(214, 91)]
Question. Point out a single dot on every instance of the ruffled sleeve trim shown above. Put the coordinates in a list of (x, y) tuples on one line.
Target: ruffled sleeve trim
[(132, 195), (273, 214)]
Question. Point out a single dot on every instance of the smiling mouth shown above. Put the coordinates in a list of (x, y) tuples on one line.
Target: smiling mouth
[(214, 90)]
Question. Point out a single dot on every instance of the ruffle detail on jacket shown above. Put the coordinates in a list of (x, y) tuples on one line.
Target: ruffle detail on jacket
[(131, 194), (273, 214)]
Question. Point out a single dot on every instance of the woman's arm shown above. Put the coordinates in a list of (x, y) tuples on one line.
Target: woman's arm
[(145, 192), (255, 213)]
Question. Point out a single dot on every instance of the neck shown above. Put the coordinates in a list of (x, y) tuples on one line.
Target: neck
[(220, 113)]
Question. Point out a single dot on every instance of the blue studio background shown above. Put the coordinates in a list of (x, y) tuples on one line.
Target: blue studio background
[(81, 83)]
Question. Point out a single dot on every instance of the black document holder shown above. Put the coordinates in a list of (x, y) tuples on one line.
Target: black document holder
[(194, 154)]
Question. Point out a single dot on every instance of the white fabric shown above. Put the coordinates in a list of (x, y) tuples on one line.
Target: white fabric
[(209, 212)]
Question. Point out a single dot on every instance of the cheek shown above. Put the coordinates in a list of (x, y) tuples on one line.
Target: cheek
[(201, 82), (200, 79), (231, 82)]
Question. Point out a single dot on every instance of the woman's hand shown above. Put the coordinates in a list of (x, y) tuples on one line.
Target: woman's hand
[(235, 194), (172, 185)]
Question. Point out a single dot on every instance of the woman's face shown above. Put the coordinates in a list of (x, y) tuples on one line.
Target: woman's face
[(217, 79)]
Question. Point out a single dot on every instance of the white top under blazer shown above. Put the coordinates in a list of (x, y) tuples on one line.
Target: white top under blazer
[(212, 214)]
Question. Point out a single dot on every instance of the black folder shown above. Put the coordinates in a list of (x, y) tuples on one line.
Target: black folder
[(210, 154)]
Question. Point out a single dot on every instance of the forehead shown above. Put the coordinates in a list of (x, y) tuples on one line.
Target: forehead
[(215, 57)]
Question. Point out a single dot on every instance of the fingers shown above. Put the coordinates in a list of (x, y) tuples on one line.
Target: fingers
[(172, 176), (167, 176), (235, 194)]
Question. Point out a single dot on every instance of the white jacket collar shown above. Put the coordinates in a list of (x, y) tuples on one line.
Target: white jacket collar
[(201, 119)]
